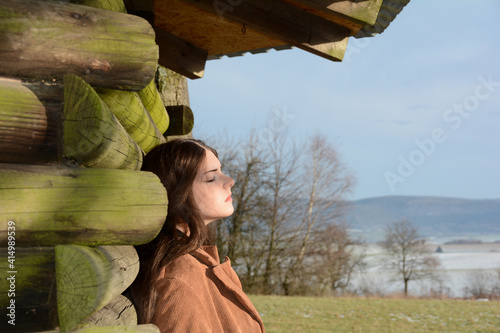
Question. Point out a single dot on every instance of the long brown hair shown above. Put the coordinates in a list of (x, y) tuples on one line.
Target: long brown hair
[(176, 163)]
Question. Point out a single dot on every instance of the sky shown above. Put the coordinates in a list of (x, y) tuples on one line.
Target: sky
[(412, 111)]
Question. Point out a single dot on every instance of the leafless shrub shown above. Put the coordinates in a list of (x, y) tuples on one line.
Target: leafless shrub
[(482, 284)]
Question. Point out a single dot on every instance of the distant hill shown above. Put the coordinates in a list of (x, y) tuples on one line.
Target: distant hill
[(434, 216)]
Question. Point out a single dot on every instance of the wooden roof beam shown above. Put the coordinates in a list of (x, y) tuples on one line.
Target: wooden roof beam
[(285, 22), (180, 55), (359, 13), (175, 53)]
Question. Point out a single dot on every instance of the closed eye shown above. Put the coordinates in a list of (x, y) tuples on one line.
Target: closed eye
[(211, 180)]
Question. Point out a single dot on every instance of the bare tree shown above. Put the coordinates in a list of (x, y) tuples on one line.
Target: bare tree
[(328, 263), (324, 183), (280, 186), (481, 284), (496, 285), (409, 255), (339, 256)]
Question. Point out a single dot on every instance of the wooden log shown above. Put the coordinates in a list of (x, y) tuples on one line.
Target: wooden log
[(92, 135), (29, 282), (119, 312), (173, 87), (89, 278), (113, 5), (30, 117), (153, 103), (53, 205), (114, 50), (146, 328), (130, 112), (181, 120)]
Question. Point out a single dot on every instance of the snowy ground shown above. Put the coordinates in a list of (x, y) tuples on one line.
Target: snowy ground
[(462, 266)]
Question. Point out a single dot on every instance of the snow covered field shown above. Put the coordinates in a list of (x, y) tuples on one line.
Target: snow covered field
[(462, 266)]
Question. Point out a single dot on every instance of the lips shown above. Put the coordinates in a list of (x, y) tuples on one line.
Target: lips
[(229, 198)]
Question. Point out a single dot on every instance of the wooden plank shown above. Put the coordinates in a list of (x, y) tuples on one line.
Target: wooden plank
[(153, 103), (180, 55), (28, 280), (114, 50), (181, 120), (132, 115), (288, 23), (387, 13), (53, 205), (89, 278), (92, 136), (30, 119), (351, 14), (206, 30)]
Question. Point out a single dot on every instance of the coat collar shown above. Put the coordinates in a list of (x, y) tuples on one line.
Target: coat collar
[(208, 255), (227, 276)]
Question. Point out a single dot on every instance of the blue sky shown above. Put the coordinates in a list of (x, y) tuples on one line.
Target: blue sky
[(413, 111)]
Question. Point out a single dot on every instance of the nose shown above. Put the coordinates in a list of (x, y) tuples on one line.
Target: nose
[(229, 182)]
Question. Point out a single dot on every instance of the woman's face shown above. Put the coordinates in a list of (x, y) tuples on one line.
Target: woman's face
[(212, 190)]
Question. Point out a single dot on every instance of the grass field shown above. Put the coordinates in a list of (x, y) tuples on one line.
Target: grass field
[(322, 314)]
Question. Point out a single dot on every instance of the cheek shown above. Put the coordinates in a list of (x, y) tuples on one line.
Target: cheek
[(198, 199), (202, 197)]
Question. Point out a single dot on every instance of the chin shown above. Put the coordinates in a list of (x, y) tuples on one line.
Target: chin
[(227, 215)]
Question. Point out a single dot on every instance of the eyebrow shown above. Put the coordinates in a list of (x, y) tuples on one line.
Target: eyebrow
[(214, 170)]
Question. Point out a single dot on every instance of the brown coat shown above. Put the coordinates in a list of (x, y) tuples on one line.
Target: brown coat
[(198, 294)]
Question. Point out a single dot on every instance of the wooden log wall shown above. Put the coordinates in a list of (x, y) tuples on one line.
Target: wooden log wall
[(80, 98)]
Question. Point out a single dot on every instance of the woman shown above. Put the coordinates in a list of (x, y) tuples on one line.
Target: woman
[(182, 286)]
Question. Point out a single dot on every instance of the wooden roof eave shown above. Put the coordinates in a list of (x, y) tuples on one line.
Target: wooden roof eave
[(287, 23), (191, 31), (387, 13), (351, 14)]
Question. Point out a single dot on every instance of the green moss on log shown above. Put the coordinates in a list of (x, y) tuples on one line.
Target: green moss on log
[(130, 112), (48, 39), (59, 205), (89, 278), (113, 5), (147, 328), (120, 311), (153, 103), (92, 136)]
